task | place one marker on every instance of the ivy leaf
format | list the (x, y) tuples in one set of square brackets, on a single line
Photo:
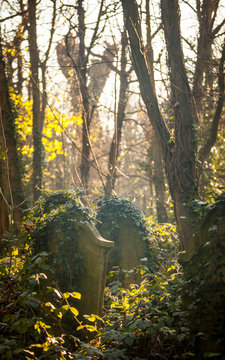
[(74, 311), (90, 318), (66, 295), (75, 295), (50, 305), (87, 327)]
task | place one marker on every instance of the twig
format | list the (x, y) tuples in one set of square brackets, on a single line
[(9, 185)]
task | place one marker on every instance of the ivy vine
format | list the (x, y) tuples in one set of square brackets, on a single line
[(52, 226)]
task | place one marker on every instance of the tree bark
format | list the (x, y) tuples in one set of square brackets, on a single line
[(211, 140), (158, 173), (206, 17), (114, 148), (86, 114), (159, 183), (184, 186), (203, 81), (34, 63), (9, 148), (179, 156)]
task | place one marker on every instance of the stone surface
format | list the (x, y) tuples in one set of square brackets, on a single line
[(91, 283), (130, 245), (204, 291)]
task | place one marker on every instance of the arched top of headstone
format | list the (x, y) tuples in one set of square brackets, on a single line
[(114, 211), (119, 220)]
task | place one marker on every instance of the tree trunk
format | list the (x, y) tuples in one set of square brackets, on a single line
[(184, 186), (208, 106), (19, 67), (206, 14), (8, 146), (114, 149), (34, 59), (158, 174), (179, 156), (81, 70), (159, 182)]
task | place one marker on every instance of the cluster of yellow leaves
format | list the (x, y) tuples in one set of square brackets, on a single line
[(10, 51), (54, 126), (23, 124)]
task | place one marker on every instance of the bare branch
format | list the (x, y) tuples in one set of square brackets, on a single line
[(156, 32), (94, 36), (13, 16), (190, 6), (43, 63), (215, 12), (217, 29)]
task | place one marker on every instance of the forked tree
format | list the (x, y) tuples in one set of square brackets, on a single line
[(179, 152)]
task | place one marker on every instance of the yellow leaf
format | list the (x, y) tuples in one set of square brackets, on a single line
[(76, 295), (66, 295), (91, 318), (87, 327), (74, 311), (15, 252)]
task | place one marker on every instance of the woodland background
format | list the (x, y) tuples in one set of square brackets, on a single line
[(75, 116), (126, 99)]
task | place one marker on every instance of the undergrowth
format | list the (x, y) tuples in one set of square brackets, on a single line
[(145, 321)]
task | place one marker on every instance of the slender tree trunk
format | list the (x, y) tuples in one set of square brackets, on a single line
[(19, 67), (114, 148), (211, 139), (80, 65), (158, 173), (150, 176), (86, 150), (8, 145), (203, 75), (205, 15), (81, 70), (34, 59), (159, 183)]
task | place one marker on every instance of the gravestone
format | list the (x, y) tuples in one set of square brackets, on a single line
[(204, 290), (77, 253), (122, 222)]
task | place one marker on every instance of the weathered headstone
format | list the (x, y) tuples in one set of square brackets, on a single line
[(122, 222), (82, 269), (204, 291), (78, 254)]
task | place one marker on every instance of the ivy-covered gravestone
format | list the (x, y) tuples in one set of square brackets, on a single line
[(204, 291), (120, 221), (77, 253)]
